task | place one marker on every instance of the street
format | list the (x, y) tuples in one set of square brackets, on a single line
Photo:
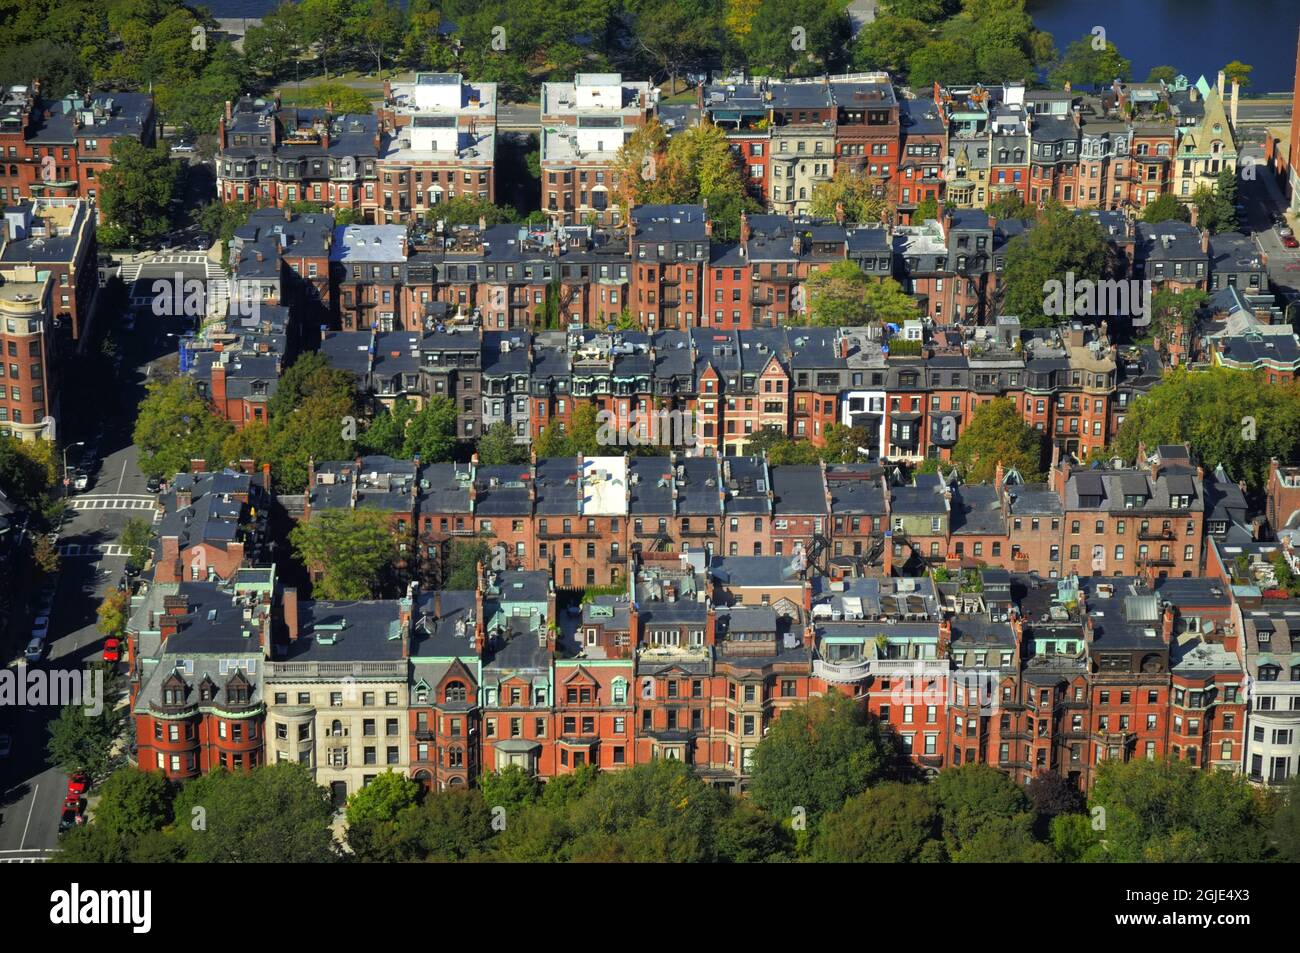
[(32, 792)]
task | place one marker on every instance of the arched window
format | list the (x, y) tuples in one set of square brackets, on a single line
[(456, 692)]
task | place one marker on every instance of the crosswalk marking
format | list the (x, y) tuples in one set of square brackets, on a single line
[(113, 503), (100, 549)]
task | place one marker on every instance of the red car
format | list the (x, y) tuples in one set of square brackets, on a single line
[(111, 650), (1290, 241), (78, 785), (72, 803)]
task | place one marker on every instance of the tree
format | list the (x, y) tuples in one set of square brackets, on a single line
[(650, 813), (770, 45), (355, 551), (276, 43), (133, 805), (942, 61), (450, 825), (431, 433), (1216, 205), (136, 191), (553, 442), (926, 210), (1167, 208), (136, 538), (843, 295), (463, 561), (1005, 840), (860, 197), (1174, 812), (677, 34), (113, 613), (971, 797), (386, 432), (1229, 417), (378, 28), (817, 755), (1286, 823), (928, 11), (1238, 72), (1061, 242), (83, 742), (1173, 313), (840, 443), (497, 447), (1011, 205), (1162, 74), (46, 555), (584, 434), (888, 42), (511, 788), (1083, 65), (275, 813), (891, 823), (176, 425), (373, 811), (998, 434)]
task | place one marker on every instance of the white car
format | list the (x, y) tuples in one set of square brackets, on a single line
[(35, 649), (182, 146)]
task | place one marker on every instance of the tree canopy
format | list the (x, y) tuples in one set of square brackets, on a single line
[(997, 433)]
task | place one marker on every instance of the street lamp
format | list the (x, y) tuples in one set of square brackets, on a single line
[(67, 484)]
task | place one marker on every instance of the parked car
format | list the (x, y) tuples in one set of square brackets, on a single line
[(153, 484), (35, 649), (6, 746), (1290, 241), (70, 819), (182, 145), (112, 650), (80, 480), (41, 627), (78, 784)]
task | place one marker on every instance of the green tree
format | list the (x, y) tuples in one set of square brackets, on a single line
[(1239, 72), (511, 788), (135, 193), (133, 805), (1286, 823), (450, 825), (1228, 417), (355, 551), (973, 796), (276, 813), (942, 61), (462, 563), (338, 98), (373, 813), (113, 613), (1174, 812), (386, 432), (891, 823), (1162, 74), (841, 442), (176, 425), (888, 42), (1167, 208), (1009, 206), (860, 196), (927, 210), (843, 295), (770, 48), (431, 434), (136, 539), (1173, 313), (1060, 242), (817, 755), (1216, 205), (1085, 66), (497, 447), (998, 434), (83, 742)]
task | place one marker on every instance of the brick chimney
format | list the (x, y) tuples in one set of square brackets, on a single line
[(266, 477), (1194, 214), (230, 112), (170, 560), (405, 609), (711, 626), (999, 477), (480, 623), (1205, 241), (1167, 624), (744, 226), (198, 465), (219, 386), (289, 605), (184, 497), (809, 637), (633, 627)]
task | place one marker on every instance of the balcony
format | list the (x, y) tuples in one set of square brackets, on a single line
[(1157, 534), (841, 672)]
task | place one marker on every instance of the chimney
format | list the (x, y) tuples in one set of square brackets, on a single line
[(711, 626), (809, 637), (184, 497), (708, 227), (1205, 240), (1236, 92), (230, 112), (405, 607), (999, 477), (1222, 77), (219, 386), (839, 213), (1054, 482), (247, 465), (289, 606), (170, 561), (1167, 624), (1194, 214), (198, 466), (266, 477), (744, 227)]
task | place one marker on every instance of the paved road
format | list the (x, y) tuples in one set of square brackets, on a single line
[(1263, 200), (519, 116), (31, 792)]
